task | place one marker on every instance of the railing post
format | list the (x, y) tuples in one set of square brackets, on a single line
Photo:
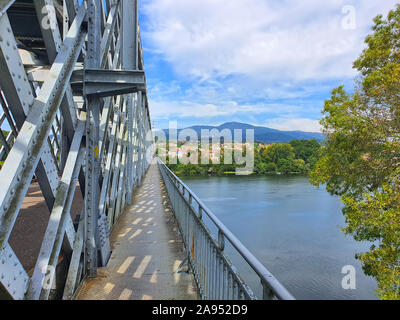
[(216, 275), (221, 240), (267, 292)]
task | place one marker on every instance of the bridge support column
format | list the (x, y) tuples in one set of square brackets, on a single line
[(92, 142), (130, 62)]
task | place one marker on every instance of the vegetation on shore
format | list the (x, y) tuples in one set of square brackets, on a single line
[(295, 158)]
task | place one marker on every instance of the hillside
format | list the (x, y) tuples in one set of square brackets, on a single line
[(261, 134)]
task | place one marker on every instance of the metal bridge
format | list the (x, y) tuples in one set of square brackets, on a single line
[(86, 212)]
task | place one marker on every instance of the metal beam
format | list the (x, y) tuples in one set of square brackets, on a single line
[(92, 143), (55, 231), (130, 59), (107, 83), (4, 5), (46, 138), (28, 147)]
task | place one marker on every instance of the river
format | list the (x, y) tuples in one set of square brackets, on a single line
[(293, 228)]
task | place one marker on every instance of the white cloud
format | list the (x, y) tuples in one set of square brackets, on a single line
[(298, 124), (188, 109), (284, 54), (264, 39)]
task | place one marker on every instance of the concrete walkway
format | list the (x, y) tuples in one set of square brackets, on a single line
[(147, 251)]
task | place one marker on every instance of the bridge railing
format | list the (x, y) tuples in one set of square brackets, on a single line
[(215, 276)]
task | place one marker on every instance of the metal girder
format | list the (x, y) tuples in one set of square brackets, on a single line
[(130, 60), (28, 147), (107, 83), (4, 5), (55, 231), (13, 277), (92, 143), (73, 271), (15, 85), (105, 148), (108, 32), (53, 41)]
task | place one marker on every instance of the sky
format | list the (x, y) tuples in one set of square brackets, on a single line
[(264, 62)]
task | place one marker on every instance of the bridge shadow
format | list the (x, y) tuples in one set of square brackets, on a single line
[(147, 252), (30, 226)]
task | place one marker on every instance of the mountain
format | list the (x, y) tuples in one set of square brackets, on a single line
[(261, 134)]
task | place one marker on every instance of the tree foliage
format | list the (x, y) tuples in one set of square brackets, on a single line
[(361, 156), (294, 158)]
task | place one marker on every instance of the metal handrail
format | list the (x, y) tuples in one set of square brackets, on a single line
[(271, 286)]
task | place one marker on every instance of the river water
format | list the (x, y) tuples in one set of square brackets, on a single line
[(293, 228)]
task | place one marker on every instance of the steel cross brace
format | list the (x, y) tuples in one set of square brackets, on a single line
[(106, 83)]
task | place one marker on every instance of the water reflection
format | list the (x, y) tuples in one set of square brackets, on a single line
[(290, 226)]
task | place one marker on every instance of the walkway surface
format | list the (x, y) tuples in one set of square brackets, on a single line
[(147, 251)]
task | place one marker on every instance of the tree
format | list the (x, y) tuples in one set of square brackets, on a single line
[(361, 156), (278, 151), (306, 150), (265, 168)]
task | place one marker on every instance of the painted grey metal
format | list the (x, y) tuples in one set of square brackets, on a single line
[(130, 55), (61, 213), (4, 5), (73, 275), (215, 275), (23, 158), (61, 136), (107, 83)]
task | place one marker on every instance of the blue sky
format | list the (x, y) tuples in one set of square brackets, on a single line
[(264, 62)]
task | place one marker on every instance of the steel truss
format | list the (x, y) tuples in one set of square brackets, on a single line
[(74, 101)]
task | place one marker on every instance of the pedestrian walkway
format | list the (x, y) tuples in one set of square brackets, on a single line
[(147, 251)]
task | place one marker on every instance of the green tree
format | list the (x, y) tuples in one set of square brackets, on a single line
[(265, 168), (306, 150), (278, 151), (360, 159)]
